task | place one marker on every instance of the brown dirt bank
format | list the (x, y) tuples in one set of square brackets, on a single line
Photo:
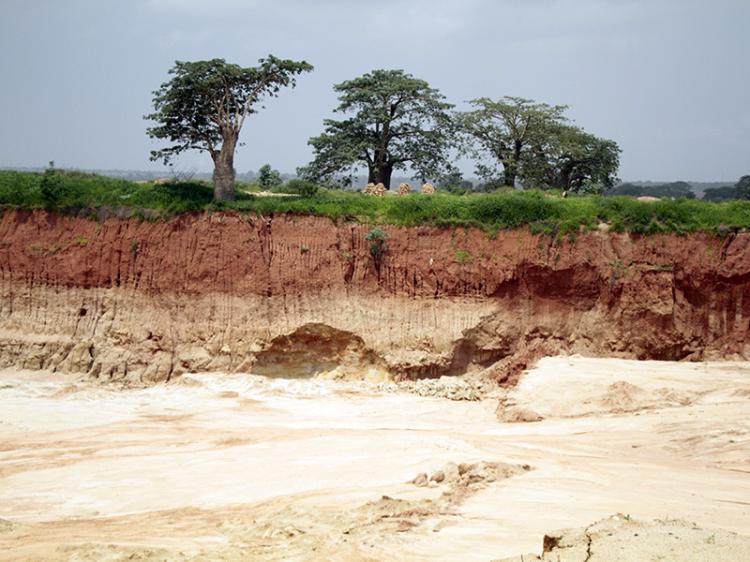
[(226, 291)]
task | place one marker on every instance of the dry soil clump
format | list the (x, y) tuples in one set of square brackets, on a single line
[(622, 539)]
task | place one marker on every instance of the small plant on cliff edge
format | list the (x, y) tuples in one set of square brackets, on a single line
[(377, 237), (463, 257)]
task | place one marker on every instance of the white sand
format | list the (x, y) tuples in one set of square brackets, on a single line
[(202, 468)]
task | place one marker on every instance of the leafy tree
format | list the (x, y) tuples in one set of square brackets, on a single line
[(395, 122), (628, 189), (569, 158), (743, 188), (494, 184), (453, 178), (204, 106), (740, 190), (462, 188), (504, 130), (534, 143), (673, 190), (724, 193), (268, 177), (302, 187), (676, 189)]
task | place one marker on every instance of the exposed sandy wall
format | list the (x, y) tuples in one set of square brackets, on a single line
[(146, 301)]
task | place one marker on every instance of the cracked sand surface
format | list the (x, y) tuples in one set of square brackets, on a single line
[(233, 467)]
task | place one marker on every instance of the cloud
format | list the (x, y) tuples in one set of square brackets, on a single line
[(202, 7), (632, 70)]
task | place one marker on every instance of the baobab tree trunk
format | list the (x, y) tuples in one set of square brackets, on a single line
[(511, 167), (509, 175), (386, 170), (224, 172), (380, 174), (380, 168)]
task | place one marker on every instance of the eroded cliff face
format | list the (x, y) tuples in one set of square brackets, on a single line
[(300, 295)]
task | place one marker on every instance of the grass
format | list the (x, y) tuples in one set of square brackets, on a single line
[(490, 211), (463, 257)]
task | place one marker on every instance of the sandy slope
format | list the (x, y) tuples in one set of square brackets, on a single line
[(238, 467)]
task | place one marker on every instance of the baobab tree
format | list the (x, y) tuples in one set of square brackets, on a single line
[(205, 104)]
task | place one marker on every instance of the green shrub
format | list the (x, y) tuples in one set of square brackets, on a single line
[(463, 257), (268, 177), (52, 189), (542, 213), (377, 237), (300, 187), (457, 189)]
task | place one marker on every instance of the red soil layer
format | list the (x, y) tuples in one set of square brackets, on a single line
[(662, 297)]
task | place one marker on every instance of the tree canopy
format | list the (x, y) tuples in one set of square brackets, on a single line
[(205, 104), (571, 159), (740, 190), (395, 122), (534, 143), (673, 190), (268, 177), (743, 187)]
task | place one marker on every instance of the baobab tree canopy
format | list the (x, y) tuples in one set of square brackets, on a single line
[(205, 104), (394, 122), (536, 144)]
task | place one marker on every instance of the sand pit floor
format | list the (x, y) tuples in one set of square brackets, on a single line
[(238, 467)]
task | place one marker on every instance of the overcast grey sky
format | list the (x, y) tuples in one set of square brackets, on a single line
[(669, 80)]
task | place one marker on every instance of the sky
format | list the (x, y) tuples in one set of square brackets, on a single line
[(669, 80)]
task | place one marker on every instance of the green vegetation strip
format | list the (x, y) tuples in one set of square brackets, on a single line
[(544, 212)]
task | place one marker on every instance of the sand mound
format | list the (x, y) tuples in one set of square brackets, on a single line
[(66, 391), (187, 380), (622, 397), (452, 388), (564, 387), (517, 415), (114, 553), (304, 532), (299, 530), (621, 539), (465, 475)]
